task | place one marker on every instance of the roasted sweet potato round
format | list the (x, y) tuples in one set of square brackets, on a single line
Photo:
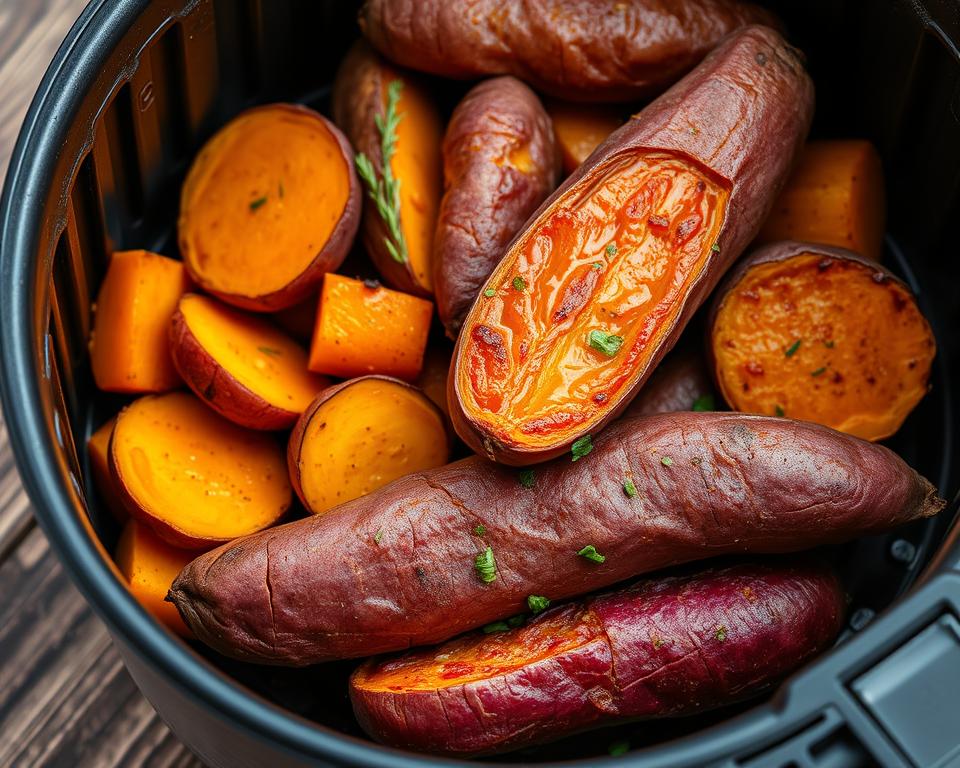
[(242, 366), (580, 129), (361, 435), (271, 203), (195, 478), (820, 334)]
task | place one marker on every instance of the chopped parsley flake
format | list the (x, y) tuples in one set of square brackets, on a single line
[(269, 351), (495, 626), (517, 621), (704, 403), (605, 342), (519, 283), (715, 248), (489, 293), (721, 633), (629, 488), (819, 371), (258, 203), (666, 461), (778, 411), (611, 249), (581, 447), (597, 265), (378, 536), (792, 349), (590, 553), (526, 478), (486, 566), (480, 529), (537, 604)]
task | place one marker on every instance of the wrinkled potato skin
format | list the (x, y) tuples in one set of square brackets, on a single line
[(500, 161), (577, 50)]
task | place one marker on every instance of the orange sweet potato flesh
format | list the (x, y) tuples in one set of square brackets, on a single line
[(360, 435), (128, 349), (98, 449), (240, 365), (364, 328), (271, 203), (192, 476), (821, 334), (359, 100), (580, 129), (625, 251), (834, 197)]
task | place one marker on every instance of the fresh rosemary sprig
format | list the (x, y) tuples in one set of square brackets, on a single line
[(385, 191)]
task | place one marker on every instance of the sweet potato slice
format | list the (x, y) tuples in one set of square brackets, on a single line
[(241, 366), (271, 203), (149, 564), (453, 548), (820, 334), (360, 435), (365, 328), (680, 383), (381, 108), (580, 129), (597, 288), (128, 349), (835, 196), (195, 478), (499, 163), (579, 50), (98, 448), (666, 647)]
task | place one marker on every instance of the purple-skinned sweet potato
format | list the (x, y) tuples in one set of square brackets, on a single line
[(500, 161), (599, 284), (572, 49), (439, 552), (664, 647), (680, 383)]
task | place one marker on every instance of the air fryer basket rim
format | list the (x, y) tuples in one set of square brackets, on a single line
[(27, 190)]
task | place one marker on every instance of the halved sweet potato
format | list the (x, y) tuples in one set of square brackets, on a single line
[(579, 50), (835, 196), (597, 288), (680, 383), (195, 478), (129, 351), (453, 548), (360, 435), (499, 163), (580, 129), (364, 328), (271, 203), (820, 334), (381, 108), (666, 647), (98, 449), (241, 366)]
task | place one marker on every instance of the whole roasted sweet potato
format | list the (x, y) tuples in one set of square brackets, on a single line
[(500, 162), (665, 647), (680, 383), (573, 49), (449, 549), (599, 284)]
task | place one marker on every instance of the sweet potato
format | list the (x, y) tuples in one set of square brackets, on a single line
[(360, 435), (98, 448), (365, 328), (298, 320), (665, 647), (271, 203), (192, 476), (388, 112), (449, 549), (834, 197), (680, 383), (580, 129), (499, 163), (241, 366), (572, 49), (600, 283), (820, 334), (128, 349), (433, 376)]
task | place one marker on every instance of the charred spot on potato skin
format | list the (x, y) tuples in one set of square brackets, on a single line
[(490, 339)]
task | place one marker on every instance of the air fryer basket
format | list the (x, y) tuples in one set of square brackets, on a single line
[(134, 91)]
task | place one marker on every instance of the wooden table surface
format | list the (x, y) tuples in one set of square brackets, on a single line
[(65, 697)]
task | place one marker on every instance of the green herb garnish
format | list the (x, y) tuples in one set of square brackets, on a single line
[(480, 529), (778, 411), (629, 488), (721, 633), (489, 293), (280, 189), (704, 403), (619, 748), (666, 461), (605, 342), (819, 371), (581, 447), (792, 349), (496, 626), (385, 191), (715, 248), (517, 621), (597, 265), (590, 553), (258, 203), (486, 566), (526, 478), (519, 283), (378, 536), (537, 604), (269, 351), (611, 249)]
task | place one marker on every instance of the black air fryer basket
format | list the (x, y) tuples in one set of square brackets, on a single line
[(135, 90)]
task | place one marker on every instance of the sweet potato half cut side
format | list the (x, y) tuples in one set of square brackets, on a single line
[(195, 478), (241, 366), (361, 435), (271, 203), (599, 285), (667, 647), (580, 129), (821, 334)]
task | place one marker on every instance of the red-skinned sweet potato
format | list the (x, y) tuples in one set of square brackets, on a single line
[(599, 284), (500, 162), (664, 647), (680, 383), (573, 49), (446, 550)]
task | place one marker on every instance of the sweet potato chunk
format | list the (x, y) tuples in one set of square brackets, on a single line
[(98, 449), (365, 328), (821, 334), (361, 435), (241, 366), (453, 548), (195, 478), (834, 197), (666, 647), (599, 285), (128, 349), (580, 129), (271, 203)]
